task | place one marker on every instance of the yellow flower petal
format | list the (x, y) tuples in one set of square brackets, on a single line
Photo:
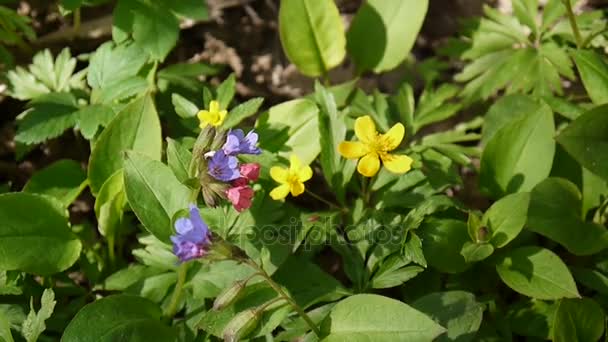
[(397, 163), (294, 163), (214, 106), (352, 149), (304, 173), (365, 129), (280, 192), (297, 188), (279, 174), (369, 165), (393, 137), (222, 116)]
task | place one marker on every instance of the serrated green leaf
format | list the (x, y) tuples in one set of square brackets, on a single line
[(113, 63), (154, 30), (91, 118)]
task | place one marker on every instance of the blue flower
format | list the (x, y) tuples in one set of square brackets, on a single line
[(193, 237), (224, 167), (239, 143)]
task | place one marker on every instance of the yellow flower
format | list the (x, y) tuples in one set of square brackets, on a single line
[(374, 147), (290, 180), (214, 116)]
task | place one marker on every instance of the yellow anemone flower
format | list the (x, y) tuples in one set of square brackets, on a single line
[(290, 180), (214, 116), (374, 147)]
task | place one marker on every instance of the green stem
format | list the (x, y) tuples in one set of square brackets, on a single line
[(277, 288), (111, 248), (592, 36), (329, 203), (77, 21), (182, 271), (573, 24)]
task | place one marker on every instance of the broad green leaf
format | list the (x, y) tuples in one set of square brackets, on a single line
[(193, 9), (34, 325), (136, 128), (109, 205), (578, 320), (532, 318), (536, 272), (155, 30), (555, 212), (92, 118), (184, 108), (178, 159), (111, 64), (291, 128), (476, 251), (384, 31), (442, 241), (586, 139), (34, 235), (118, 318), (154, 193), (65, 179), (594, 73), (593, 188), (312, 35), (519, 155), (242, 112), (591, 278), (457, 311), (49, 116), (370, 317), (508, 109), (120, 90), (506, 218)]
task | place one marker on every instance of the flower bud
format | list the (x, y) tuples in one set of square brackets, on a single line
[(241, 325), (251, 171), (229, 295)]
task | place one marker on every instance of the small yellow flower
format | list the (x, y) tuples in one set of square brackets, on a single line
[(214, 116), (290, 180), (374, 147)]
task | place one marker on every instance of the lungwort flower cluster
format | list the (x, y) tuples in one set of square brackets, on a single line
[(223, 165), (193, 238), (374, 147)]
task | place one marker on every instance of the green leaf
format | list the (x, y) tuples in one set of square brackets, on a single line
[(120, 90), (586, 139), (384, 31), (578, 320), (109, 205), (34, 325), (35, 236), (592, 279), (50, 115), (178, 159), (136, 128), (155, 30), (184, 108), (442, 241), (5, 328), (532, 318), (312, 35), (506, 110), (594, 73), (432, 106), (506, 218), (193, 9), (369, 317), (555, 212), (64, 180), (474, 252), (519, 155), (291, 128), (536, 272), (111, 64), (226, 91), (154, 194), (457, 311), (91, 118), (242, 112), (118, 318)]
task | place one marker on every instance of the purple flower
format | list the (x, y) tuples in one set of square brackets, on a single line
[(239, 143), (224, 167), (192, 237)]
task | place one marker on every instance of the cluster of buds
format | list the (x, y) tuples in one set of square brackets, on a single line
[(221, 175)]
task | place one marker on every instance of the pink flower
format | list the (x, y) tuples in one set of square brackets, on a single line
[(251, 171), (240, 197)]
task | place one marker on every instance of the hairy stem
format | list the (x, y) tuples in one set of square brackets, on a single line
[(279, 290), (573, 24), (177, 292)]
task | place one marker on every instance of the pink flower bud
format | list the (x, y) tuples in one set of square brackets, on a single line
[(240, 197), (251, 171)]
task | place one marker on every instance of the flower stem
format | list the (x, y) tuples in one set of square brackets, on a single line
[(277, 288), (177, 293), (77, 20), (573, 24), (329, 203)]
